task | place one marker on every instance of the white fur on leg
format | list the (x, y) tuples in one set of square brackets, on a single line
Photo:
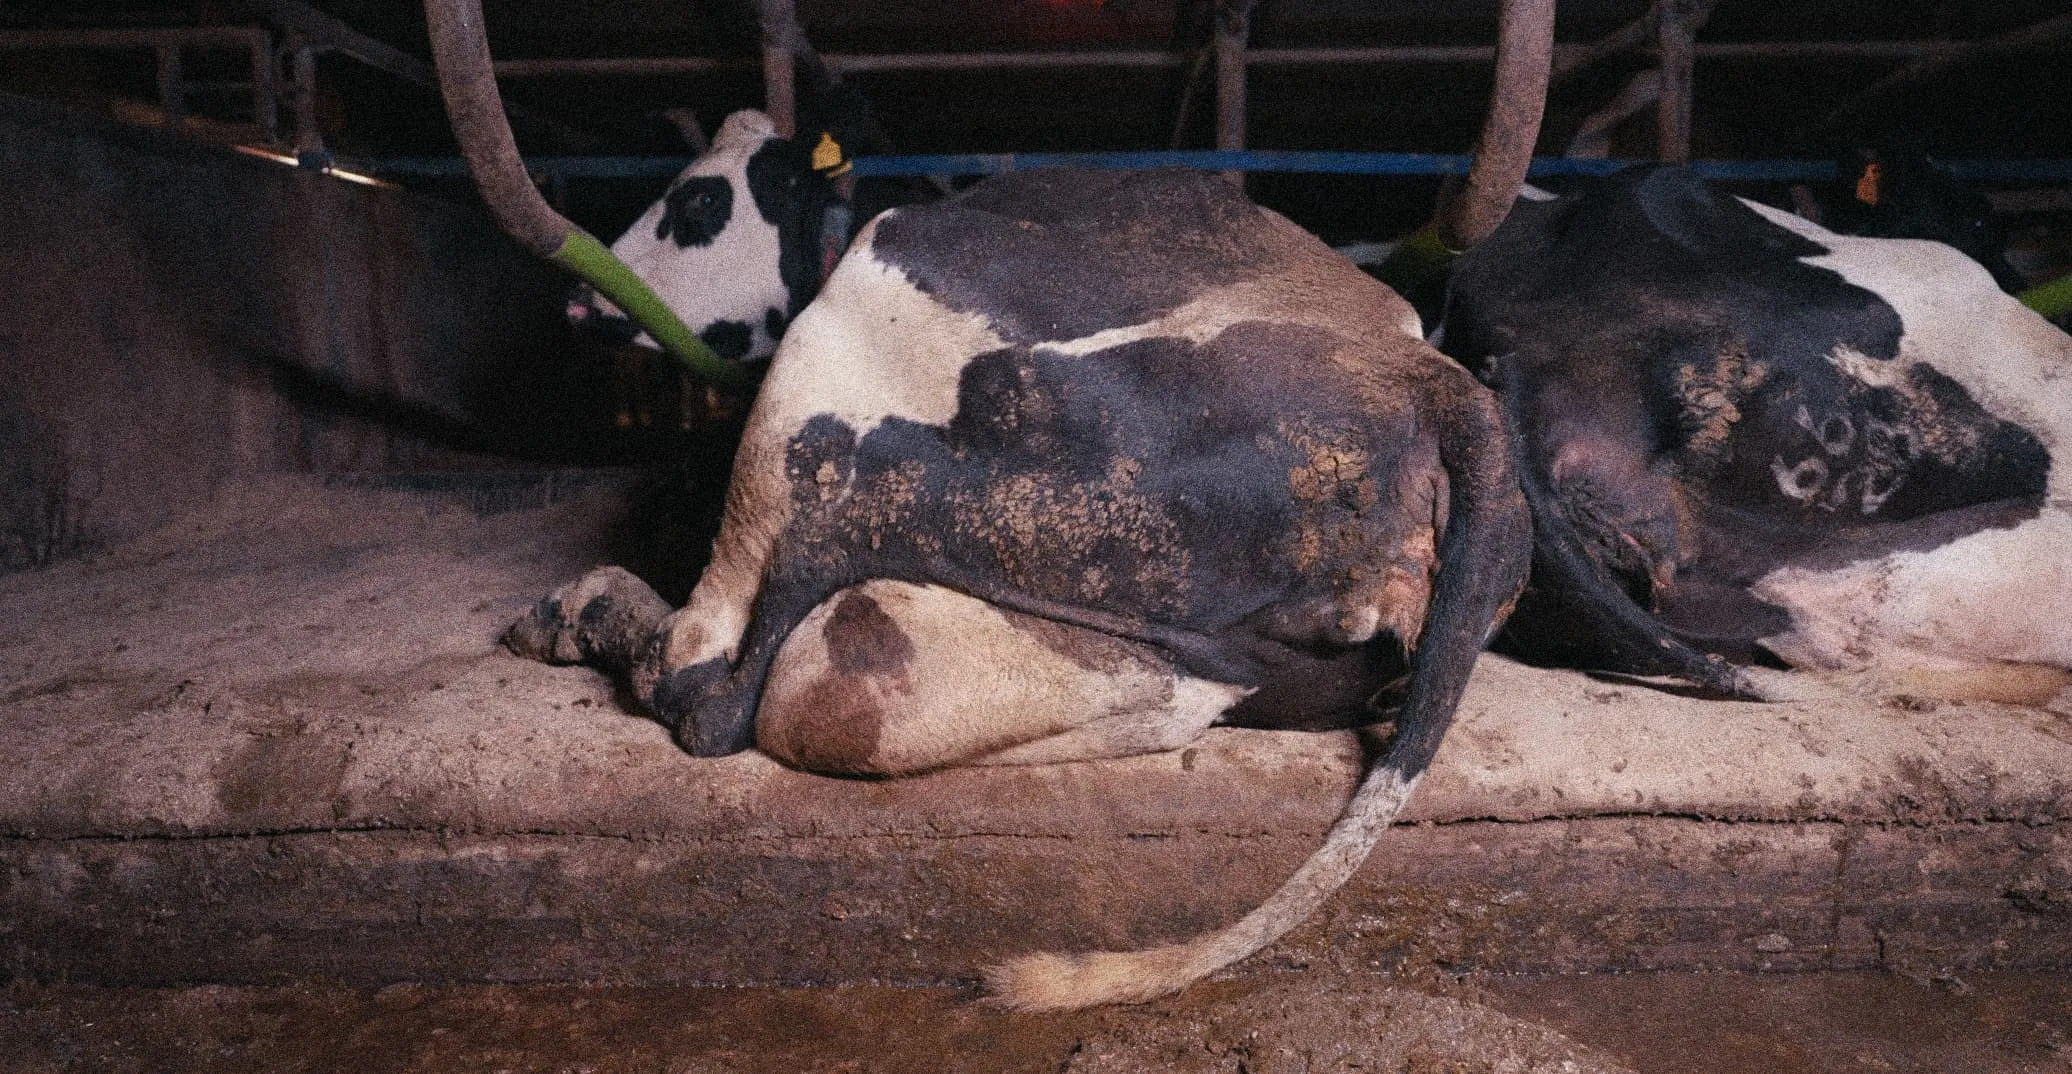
[(1053, 982), (1194, 705)]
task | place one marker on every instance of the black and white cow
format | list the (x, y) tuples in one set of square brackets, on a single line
[(1746, 436), (1073, 465), (735, 246)]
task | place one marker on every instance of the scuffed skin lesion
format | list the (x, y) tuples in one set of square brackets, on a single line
[(1381, 573), (1710, 393)]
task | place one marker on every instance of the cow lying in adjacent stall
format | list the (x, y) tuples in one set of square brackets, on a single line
[(1744, 436), (1074, 465)]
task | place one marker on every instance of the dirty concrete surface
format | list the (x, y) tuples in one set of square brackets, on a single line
[(1821, 1023), (259, 765)]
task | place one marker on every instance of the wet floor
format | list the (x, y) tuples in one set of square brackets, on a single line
[(1830, 1023), (1676, 1023)]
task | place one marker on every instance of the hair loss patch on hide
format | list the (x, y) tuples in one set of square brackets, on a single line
[(1932, 425), (1709, 396)]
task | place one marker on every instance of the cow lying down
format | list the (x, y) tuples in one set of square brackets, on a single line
[(1747, 437), (1074, 465)]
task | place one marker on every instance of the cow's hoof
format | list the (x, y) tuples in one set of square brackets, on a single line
[(710, 718), (592, 619)]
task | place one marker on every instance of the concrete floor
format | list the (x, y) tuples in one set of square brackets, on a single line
[(1816, 1023), (276, 746)]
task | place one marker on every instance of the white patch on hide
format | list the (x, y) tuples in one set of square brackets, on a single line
[(1997, 595), (977, 686), (735, 277), (871, 347), (1359, 625), (1194, 705), (1216, 311), (2006, 356)]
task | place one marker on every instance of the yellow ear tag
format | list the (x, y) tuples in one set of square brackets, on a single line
[(1867, 183), (827, 156)]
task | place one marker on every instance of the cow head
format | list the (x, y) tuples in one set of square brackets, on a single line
[(734, 245)]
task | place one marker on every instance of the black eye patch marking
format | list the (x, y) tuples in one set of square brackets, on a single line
[(728, 339), (696, 210)]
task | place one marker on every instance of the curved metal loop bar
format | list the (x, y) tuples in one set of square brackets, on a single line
[(460, 51), (1524, 54)]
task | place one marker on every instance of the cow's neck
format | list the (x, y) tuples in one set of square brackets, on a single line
[(836, 228)]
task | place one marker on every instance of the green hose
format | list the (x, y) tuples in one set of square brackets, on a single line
[(467, 82), (2053, 299), (583, 255)]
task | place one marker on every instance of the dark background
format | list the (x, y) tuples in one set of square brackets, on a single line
[(2006, 104), (182, 317)]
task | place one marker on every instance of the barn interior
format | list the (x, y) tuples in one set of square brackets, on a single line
[(290, 432)]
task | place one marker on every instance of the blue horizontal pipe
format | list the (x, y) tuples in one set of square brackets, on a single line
[(1314, 163), (1318, 163)]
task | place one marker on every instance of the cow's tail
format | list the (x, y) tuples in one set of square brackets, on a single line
[(1634, 639), (1483, 557)]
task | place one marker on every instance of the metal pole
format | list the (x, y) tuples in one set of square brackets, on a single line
[(1524, 51), (1624, 39), (1673, 108), (172, 88), (779, 20), (265, 94), (1574, 57), (309, 141), (2031, 36), (1232, 27), (461, 50), (299, 20), (1594, 138)]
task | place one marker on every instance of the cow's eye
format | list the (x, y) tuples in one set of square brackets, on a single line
[(706, 201)]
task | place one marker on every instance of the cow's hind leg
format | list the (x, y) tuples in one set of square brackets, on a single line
[(604, 619), (891, 678)]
